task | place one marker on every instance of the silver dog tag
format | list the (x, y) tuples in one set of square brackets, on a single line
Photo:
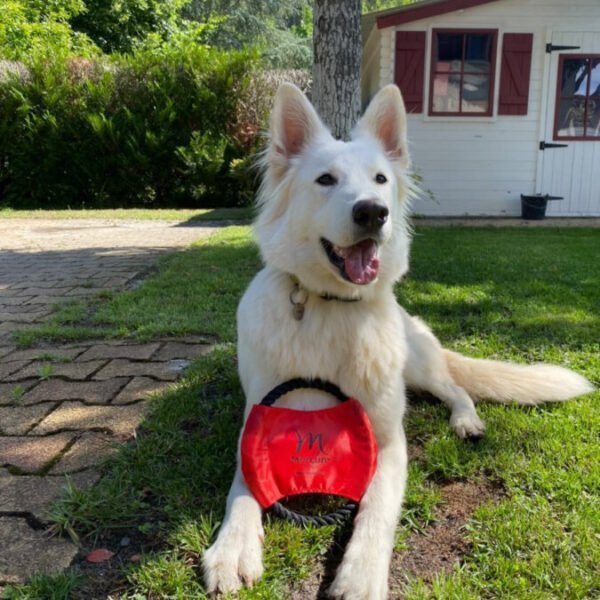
[(298, 311), (298, 298)]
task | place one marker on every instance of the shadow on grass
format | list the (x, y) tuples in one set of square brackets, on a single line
[(219, 216), (195, 291)]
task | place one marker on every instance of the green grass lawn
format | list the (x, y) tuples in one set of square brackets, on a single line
[(523, 295), (142, 214)]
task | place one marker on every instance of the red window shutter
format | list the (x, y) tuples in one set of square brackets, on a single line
[(515, 73), (409, 69)]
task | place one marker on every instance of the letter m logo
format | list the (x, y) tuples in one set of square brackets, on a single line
[(311, 440)]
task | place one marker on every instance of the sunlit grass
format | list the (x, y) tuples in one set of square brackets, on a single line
[(141, 214)]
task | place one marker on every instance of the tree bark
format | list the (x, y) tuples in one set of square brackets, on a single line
[(336, 68)]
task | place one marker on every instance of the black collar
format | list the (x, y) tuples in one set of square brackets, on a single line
[(299, 296), (328, 297)]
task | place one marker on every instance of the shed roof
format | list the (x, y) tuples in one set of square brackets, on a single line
[(413, 12)]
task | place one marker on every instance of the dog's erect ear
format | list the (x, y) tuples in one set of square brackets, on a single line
[(385, 119), (294, 123)]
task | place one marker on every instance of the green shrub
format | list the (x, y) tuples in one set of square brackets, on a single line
[(116, 25), (40, 28), (153, 128)]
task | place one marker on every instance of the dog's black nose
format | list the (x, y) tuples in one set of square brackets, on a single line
[(370, 215)]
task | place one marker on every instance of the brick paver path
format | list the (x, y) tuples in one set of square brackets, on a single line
[(64, 407)]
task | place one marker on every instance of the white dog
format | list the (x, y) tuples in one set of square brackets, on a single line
[(333, 233)]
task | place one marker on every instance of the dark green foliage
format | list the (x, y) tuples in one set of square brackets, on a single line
[(372, 5), (282, 29), (116, 25), (154, 128)]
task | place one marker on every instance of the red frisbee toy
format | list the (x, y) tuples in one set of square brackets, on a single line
[(287, 452)]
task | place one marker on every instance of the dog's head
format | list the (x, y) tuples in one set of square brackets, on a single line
[(333, 213)]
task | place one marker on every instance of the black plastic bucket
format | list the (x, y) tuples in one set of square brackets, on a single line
[(533, 208)]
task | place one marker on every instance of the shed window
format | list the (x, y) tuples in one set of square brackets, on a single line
[(578, 98), (462, 72)]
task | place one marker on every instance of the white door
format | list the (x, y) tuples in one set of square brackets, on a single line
[(570, 162)]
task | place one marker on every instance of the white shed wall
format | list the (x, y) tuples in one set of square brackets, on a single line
[(480, 166), (371, 73)]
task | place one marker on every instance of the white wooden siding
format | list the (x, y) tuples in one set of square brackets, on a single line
[(371, 67), (481, 166)]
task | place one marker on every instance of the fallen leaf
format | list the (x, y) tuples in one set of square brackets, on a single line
[(99, 555)]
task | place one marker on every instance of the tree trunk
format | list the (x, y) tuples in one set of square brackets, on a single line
[(336, 68)]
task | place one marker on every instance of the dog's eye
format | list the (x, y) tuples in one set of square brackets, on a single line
[(326, 179), (380, 178)]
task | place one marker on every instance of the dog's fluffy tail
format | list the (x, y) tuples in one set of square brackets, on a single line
[(504, 381)]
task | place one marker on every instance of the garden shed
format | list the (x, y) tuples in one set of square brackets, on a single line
[(503, 99)]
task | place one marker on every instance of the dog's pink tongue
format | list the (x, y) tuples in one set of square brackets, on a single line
[(361, 262)]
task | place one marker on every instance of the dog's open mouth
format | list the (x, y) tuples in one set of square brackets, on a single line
[(358, 264)]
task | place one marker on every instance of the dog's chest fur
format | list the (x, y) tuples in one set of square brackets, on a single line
[(358, 345)]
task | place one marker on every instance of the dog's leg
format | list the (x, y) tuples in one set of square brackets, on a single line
[(363, 573), (236, 555), (464, 419), (426, 369)]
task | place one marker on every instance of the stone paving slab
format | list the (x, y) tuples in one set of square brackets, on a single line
[(18, 420), (92, 392), (90, 450), (130, 351), (50, 292), (35, 495), (77, 416), (47, 300), (6, 300), (162, 371), (75, 370), (175, 350), (25, 551), (56, 353), (15, 317), (12, 393), (8, 368), (32, 454), (139, 388), (21, 308)]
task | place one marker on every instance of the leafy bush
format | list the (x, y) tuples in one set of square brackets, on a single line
[(254, 104), (154, 128), (115, 25), (35, 29)]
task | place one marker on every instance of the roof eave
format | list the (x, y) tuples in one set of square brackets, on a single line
[(424, 10)]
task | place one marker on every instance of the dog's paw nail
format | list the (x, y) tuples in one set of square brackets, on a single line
[(468, 427), (231, 563)]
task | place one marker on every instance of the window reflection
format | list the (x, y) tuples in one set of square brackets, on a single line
[(578, 107), (575, 77), (476, 90), (461, 73), (595, 78)]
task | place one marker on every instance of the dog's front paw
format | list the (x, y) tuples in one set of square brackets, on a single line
[(231, 561), (467, 424), (360, 578)]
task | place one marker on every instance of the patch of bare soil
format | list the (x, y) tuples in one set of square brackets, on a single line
[(107, 579), (443, 544)]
